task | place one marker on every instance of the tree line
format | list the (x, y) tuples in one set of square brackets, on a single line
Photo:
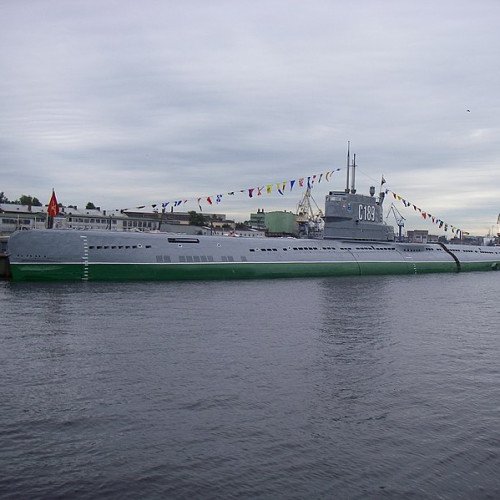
[(26, 199)]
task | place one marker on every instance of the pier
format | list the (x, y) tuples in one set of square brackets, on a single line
[(4, 259)]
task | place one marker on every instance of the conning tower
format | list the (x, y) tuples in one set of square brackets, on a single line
[(351, 216)]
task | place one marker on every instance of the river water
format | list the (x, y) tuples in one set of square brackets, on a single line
[(361, 387)]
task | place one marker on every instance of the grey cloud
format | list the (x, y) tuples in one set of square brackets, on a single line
[(130, 102)]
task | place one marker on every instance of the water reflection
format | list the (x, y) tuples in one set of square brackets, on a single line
[(353, 356)]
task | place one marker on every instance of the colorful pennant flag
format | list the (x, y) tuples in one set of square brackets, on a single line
[(280, 187), (427, 215)]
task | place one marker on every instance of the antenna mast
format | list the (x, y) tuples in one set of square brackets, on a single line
[(353, 188), (348, 165)]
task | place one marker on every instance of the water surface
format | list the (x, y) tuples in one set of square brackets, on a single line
[(340, 387)]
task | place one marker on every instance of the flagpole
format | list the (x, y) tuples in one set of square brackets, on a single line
[(52, 210)]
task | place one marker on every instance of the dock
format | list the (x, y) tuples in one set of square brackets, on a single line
[(4, 259)]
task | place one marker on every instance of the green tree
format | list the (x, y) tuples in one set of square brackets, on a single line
[(90, 206), (196, 219), (29, 200), (3, 198)]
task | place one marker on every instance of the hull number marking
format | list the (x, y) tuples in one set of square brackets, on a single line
[(366, 212)]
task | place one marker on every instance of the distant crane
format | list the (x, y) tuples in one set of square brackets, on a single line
[(305, 209), (310, 221), (400, 220)]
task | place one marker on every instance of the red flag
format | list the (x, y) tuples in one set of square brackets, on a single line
[(53, 208)]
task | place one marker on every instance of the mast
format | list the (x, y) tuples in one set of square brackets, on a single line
[(348, 165), (353, 181)]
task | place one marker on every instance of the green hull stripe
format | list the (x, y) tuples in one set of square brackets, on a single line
[(233, 270)]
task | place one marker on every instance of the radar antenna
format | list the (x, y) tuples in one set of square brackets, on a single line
[(400, 220)]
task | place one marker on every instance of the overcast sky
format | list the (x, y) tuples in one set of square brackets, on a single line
[(125, 103)]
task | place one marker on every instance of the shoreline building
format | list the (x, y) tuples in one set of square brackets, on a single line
[(22, 217), (18, 217), (276, 223)]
